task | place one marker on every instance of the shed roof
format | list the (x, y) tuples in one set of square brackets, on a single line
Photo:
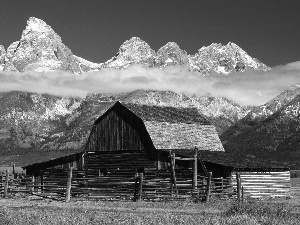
[(235, 161)]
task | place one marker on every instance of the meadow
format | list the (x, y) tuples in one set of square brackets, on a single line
[(28, 210)]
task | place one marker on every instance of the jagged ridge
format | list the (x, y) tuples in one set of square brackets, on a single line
[(41, 49)]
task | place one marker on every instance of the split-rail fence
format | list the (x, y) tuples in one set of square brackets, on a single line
[(122, 185)]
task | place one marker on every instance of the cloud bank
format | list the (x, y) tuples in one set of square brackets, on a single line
[(248, 88)]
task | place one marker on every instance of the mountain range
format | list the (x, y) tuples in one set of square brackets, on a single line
[(40, 49), (46, 123)]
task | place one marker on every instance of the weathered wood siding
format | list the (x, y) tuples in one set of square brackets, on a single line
[(125, 163), (264, 184), (119, 130)]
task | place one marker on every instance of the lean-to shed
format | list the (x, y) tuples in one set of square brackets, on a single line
[(259, 178)]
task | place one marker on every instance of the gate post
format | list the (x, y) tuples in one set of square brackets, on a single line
[(195, 173), (208, 186), (238, 186), (6, 184), (69, 182), (141, 178)]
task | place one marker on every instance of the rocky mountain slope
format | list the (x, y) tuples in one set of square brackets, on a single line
[(34, 122), (2, 57), (43, 123), (171, 54), (27, 119), (215, 58), (224, 60), (260, 113), (132, 52), (275, 137), (40, 49), (220, 111)]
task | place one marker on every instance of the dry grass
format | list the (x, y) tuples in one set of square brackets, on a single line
[(18, 211), (30, 211), (34, 212)]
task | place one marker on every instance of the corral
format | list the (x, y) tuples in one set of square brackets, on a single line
[(259, 178)]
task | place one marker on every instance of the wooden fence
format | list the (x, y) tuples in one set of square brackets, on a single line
[(264, 184), (154, 185), (12, 184), (160, 186), (121, 185)]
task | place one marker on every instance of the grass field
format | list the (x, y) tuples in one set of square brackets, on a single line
[(273, 211)]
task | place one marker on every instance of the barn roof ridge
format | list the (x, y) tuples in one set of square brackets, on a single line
[(169, 114)]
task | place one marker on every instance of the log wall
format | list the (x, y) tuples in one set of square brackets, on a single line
[(118, 162), (264, 184)]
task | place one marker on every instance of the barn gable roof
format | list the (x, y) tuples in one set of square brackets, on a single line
[(174, 128), (167, 114)]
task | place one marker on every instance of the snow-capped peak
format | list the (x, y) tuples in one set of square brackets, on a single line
[(2, 57), (223, 59), (133, 51), (36, 25), (41, 49), (171, 54)]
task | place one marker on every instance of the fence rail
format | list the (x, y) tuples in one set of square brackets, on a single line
[(155, 186)]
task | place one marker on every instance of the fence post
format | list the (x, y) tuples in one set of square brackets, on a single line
[(42, 181), (6, 184), (195, 173), (1, 185), (208, 186), (14, 170), (159, 166), (33, 183), (141, 178), (242, 193), (172, 177), (174, 174), (222, 184), (69, 182), (238, 186), (135, 187)]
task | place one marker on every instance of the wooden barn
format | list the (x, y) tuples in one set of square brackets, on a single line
[(130, 138), (145, 132)]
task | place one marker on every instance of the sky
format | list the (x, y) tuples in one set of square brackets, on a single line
[(95, 29)]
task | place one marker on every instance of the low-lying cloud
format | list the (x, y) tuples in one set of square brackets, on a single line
[(248, 88)]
